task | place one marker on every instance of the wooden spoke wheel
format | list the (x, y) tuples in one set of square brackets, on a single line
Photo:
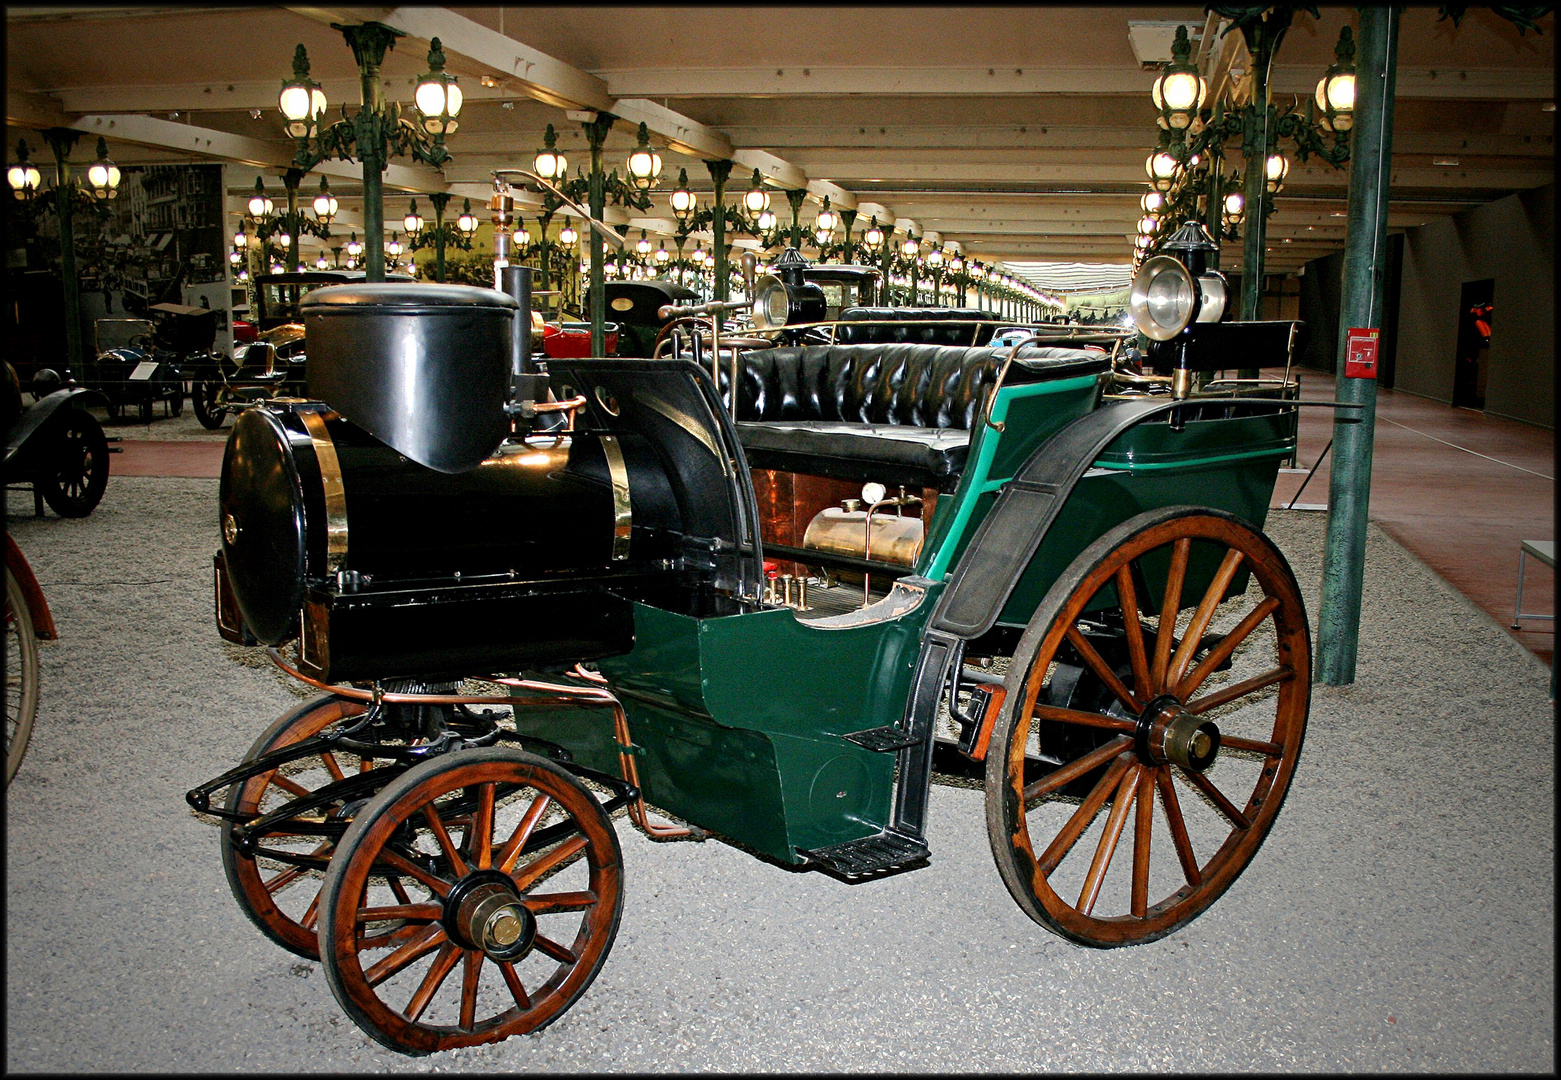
[(282, 896), (75, 473), (512, 875), (1194, 747), (21, 675)]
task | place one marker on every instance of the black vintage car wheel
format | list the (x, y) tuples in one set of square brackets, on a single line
[(146, 411), (203, 397), (514, 885), (175, 400), (73, 466), (1193, 751)]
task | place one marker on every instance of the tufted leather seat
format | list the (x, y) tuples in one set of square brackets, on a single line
[(896, 413), (928, 326)]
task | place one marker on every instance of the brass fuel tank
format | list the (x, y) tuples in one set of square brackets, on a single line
[(839, 531)]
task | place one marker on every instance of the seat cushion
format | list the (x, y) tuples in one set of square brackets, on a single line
[(888, 453)]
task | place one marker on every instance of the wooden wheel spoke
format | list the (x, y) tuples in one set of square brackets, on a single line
[(1088, 719), (557, 857), (1267, 749), (1228, 645), (516, 988), (1226, 807), (553, 903), (1135, 631), (1063, 843), (1057, 778), (511, 850), (430, 938), (1201, 617), (549, 947), (311, 913), (412, 870), (469, 979), (1107, 848), (293, 873), (331, 766), (1165, 632), (398, 889), (441, 834), (1241, 689), (480, 832), (416, 912), (1179, 837), (292, 787), (1102, 669), (438, 971), (1142, 824)]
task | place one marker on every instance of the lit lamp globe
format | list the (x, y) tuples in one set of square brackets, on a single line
[(413, 222), (956, 264), (935, 257), (394, 247), (320, 263), (259, 205), (682, 199), (1275, 171), (643, 247), (756, 200), (467, 222), (1179, 93), (24, 176), (521, 235), (873, 237), (325, 204), (235, 258), (1152, 202), (285, 240), (549, 164), (1336, 89), (438, 95), (301, 101), (662, 254), (766, 222), (827, 220), (354, 248), (909, 248), (240, 240), (1148, 224), (567, 235), (1161, 167), (1235, 207), (644, 164)]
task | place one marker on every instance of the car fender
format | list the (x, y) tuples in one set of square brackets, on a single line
[(38, 415), (37, 607)]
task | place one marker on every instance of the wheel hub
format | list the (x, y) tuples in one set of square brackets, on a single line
[(484, 912), (1169, 733)]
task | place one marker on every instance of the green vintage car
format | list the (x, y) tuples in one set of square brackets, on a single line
[(665, 608)]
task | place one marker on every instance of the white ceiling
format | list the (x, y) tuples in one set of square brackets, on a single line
[(1019, 133)]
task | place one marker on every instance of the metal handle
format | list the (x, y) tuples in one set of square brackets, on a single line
[(986, 413)]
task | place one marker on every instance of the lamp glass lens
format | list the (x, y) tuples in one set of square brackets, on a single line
[(1341, 92), (97, 176), (453, 97), (317, 102), (640, 164), (430, 97), (294, 102), (1169, 299)]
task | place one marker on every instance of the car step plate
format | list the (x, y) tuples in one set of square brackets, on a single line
[(888, 850), (882, 739)]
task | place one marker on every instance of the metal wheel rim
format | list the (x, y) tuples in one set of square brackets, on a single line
[(21, 676)]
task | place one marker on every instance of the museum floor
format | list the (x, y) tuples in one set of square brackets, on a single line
[(1400, 917)]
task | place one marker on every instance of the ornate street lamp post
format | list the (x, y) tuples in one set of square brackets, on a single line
[(378, 131)]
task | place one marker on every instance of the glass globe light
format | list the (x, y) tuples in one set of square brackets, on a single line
[(393, 248), (467, 222), (301, 100), (1152, 201), (413, 222), (682, 199), (549, 164), (1161, 167), (1148, 224), (644, 164), (325, 204), (873, 237), (1235, 206), (662, 254), (910, 247), (235, 258), (438, 95), (521, 235), (354, 248), (23, 177), (643, 247), (935, 257), (1336, 89), (259, 205), (243, 275), (240, 240), (828, 220), (285, 240), (766, 222), (756, 200), (567, 235), (1275, 170), (321, 263)]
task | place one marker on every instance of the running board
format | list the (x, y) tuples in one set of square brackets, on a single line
[(882, 739), (884, 852)]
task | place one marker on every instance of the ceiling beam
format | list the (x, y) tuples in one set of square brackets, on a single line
[(782, 173), (682, 134)]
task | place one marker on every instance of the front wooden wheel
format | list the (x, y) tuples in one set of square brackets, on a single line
[(1195, 746), (513, 879)]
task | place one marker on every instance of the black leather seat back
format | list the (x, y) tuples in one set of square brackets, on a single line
[(926, 326), (914, 385)]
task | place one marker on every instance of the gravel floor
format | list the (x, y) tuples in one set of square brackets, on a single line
[(1399, 918)]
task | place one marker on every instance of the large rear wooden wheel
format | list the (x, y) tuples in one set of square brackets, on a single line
[(278, 885), (513, 882), (21, 675), (1194, 748)]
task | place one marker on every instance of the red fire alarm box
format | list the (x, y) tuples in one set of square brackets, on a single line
[(1360, 352)]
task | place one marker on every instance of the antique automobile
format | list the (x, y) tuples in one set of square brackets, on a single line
[(531, 598), (56, 447), (139, 362), (269, 361), (27, 622), (635, 307)]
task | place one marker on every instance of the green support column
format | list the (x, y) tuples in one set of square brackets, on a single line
[(1263, 36), (369, 42), (719, 171), (290, 180), (888, 258), (596, 305), (1349, 485), (847, 220), (1214, 205), (915, 297), (61, 141), (440, 199)]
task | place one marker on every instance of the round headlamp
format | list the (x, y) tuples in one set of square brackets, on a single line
[(1163, 299), (776, 303)]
